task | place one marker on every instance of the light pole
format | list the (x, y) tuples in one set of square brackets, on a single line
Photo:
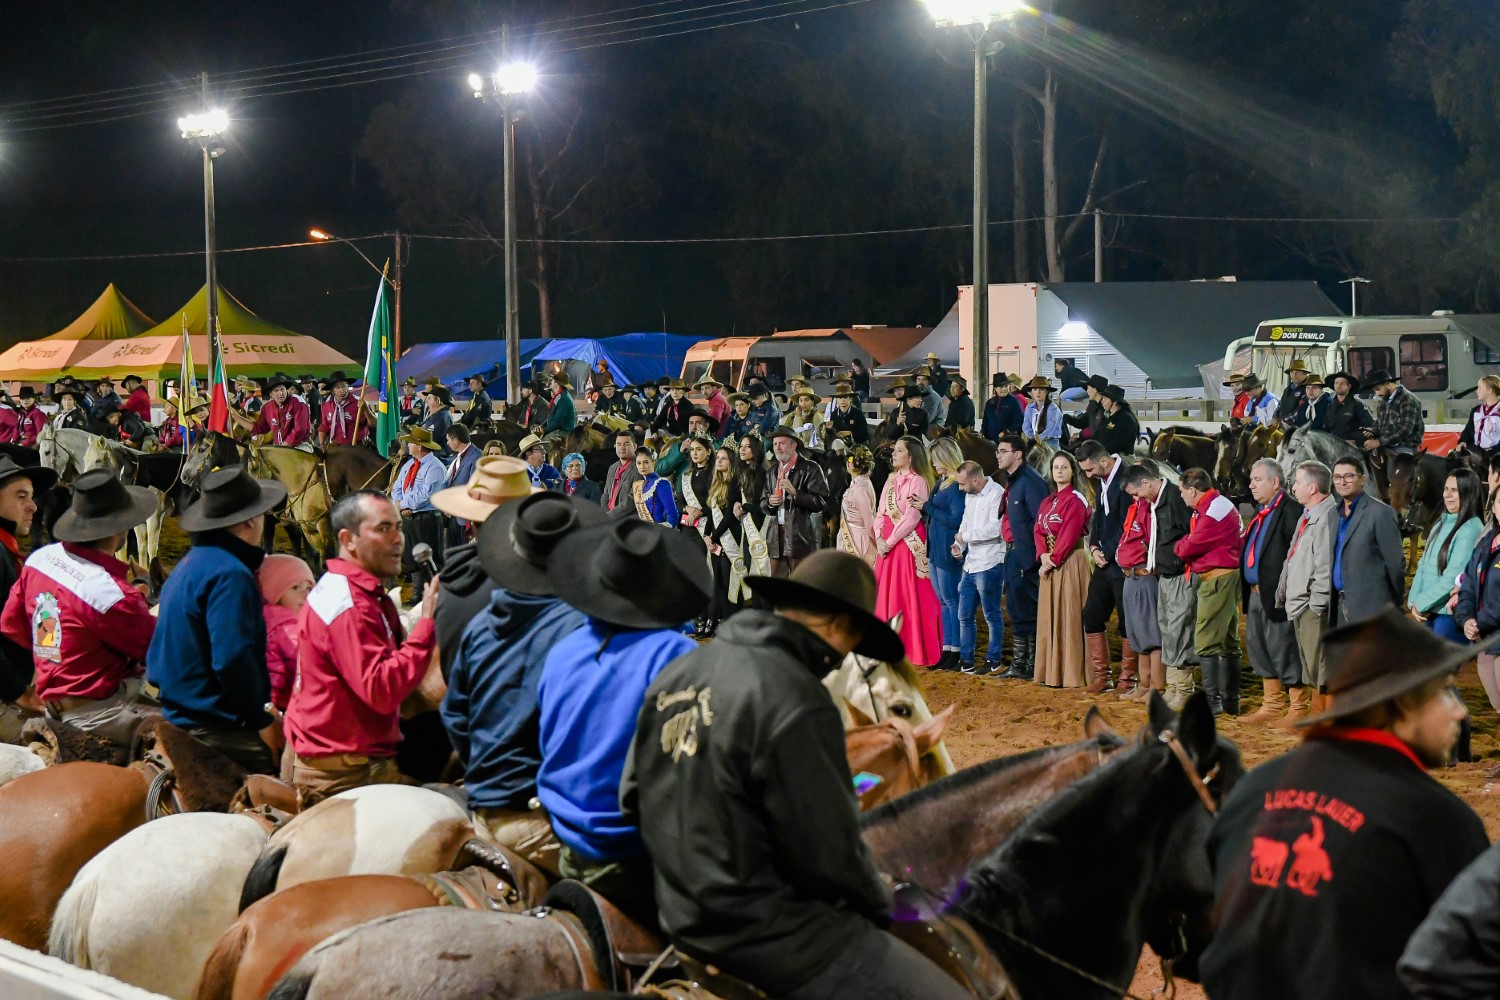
[(206, 128), (323, 235), (507, 86), (1354, 284), (978, 16)]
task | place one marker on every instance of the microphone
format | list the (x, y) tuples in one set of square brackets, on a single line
[(421, 553)]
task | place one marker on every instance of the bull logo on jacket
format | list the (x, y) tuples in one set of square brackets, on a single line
[(46, 628)]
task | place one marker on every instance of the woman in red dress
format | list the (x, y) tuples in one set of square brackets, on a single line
[(1061, 522), (903, 585)]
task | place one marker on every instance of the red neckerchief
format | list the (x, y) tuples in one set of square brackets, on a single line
[(411, 475), (1255, 525), (9, 541), (614, 492), (1301, 527), (1379, 737)]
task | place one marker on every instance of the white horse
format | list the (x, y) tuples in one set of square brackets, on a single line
[(102, 453), (62, 449), (16, 761), (149, 907)]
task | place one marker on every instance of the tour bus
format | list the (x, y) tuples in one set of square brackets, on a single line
[(1437, 357)]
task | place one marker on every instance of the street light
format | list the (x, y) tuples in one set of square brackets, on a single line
[(206, 128), (324, 236), (511, 82), (977, 16), (1354, 284)]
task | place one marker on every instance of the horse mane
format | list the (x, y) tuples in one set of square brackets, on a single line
[(958, 781), (1182, 429)]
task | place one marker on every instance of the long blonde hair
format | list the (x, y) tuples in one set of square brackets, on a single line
[(946, 453), (718, 488), (920, 464)]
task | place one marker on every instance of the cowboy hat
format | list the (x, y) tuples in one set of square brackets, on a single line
[(528, 442), (1353, 382), (497, 480), (842, 393), (757, 390), (708, 380), (1040, 382), (307, 377), (738, 397), (1234, 379), (1382, 657), (59, 391), (441, 392), (784, 432), (1249, 382), (421, 436), (335, 377), (829, 580), (410, 380), (278, 380), (999, 380), (103, 506), (1297, 365), (958, 380), (475, 377), (673, 383), (27, 392), (1113, 393), (932, 356), (515, 544), (1313, 378), (699, 411), (599, 570), (133, 378), (798, 378), (900, 383), (42, 479), (627, 387), (1096, 382), (807, 393), (230, 496), (561, 378), (1378, 377)]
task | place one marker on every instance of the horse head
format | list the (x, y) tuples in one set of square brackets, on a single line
[(886, 757), (1161, 445), (97, 455), (46, 446)]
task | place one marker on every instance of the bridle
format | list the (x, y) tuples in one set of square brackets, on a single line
[(1198, 783)]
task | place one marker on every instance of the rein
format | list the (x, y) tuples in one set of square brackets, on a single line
[(1200, 784)]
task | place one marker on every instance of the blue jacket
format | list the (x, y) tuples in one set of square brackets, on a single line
[(490, 710), (1479, 597), (1023, 498), (461, 469), (592, 689), (1001, 416), (209, 655), (765, 417), (945, 512), (657, 493)]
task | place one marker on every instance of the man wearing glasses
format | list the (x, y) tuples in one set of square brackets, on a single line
[(1369, 563)]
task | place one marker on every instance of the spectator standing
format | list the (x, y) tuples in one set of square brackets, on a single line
[(932, 402), (1139, 597), (714, 402), (796, 489), (1002, 412), (752, 516), (902, 564), (725, 536), (1399, 426), (620, 479), (982, 549), (1042, 420), (1305, 591), (1450, 541), (764, 416), (284, 584), (420, 476), (1212, 552), (737, 424), (1270, 638), (944, 511), (1176, 592), (1369, 559), (937, 376), (847, 421), (1024, 492), (1477, 611), (673, 417), (859, 376), (1106, 584), (807, 419), (438, 416), (1061, 523), (857, 508)]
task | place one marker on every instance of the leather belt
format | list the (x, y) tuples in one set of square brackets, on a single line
[(1214, 574), (336, 762), (1137, 571)]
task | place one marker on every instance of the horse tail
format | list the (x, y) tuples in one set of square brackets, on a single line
[(261, 881), (69, 937), (222, 966)]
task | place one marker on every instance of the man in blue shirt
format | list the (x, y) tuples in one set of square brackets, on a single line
[(209, 658), (594, 683), (1369, 560), (534, 452), (1024, 492), (420, 476)]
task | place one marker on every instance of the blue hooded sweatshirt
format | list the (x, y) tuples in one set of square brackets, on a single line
[(491, 706)]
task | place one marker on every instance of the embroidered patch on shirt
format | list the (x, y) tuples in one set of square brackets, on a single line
[(46, 628)]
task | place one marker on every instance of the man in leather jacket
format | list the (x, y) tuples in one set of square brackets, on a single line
[(796, 489)]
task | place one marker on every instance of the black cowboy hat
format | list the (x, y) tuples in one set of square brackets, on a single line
[(441, 392), (27, 392), (108, 405), (278, 380), (1378, 377), (1097, 382), (784, 431), (699, 411), (1353, 382), (1113, 393), (627, 387), (60, 390), (1382, 657), (517, 541), (476, 376), (599, 571), (306, 377), (133, 378), (230, 496), (835, 581), (103, 506), (42, 479), (757, 389), (1249, 383), (999, 380), (335, 377)]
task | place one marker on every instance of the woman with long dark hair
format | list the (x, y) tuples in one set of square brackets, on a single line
[(725, 536), (1062, 520), (1447, 548), (903, 576), (747, 510)]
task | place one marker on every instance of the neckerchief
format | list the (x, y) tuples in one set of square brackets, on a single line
[(1252, 533), (411, 475), (1379, 737), (1487, 426)]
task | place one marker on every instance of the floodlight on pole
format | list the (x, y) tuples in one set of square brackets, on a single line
[(948, 13), (204, 124)]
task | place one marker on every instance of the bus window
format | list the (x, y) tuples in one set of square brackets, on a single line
[(1364, 360), (1424, 362), (771, 371)]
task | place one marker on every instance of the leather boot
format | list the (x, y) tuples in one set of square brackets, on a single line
[(1179, 687), (1152, 677), (1272, 704), (1129, 666), (1213, 681), (1098, 662), (1029, 643), (1158, 675), (1019, 669), (1229, 684), (1300, 701), (1319, 702)]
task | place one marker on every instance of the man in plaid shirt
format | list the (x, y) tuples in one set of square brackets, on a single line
[(1399, 426)]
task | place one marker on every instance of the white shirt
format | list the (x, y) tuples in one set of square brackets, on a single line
[(980, 528)]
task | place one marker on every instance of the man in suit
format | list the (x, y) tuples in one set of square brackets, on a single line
[(622, 476), (1106, 594), (1024, 493), (1270, 638), (1369, 562)]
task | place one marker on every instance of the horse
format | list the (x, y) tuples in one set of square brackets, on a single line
[(62, 449), (148, 908), (16, 761), (1155, 801), (890, 758), (974, 447), (1304, 445), (1230, 473), (307, 501), (1183, 448), (51, 505), (880, 690), (158, 472), (348, 468), (52, 822), (1414, 489)]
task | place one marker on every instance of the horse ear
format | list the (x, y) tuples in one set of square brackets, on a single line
[(1096, 725), (896, 620), (930, 733), (856, 717), (1158, 715), (1195, 727)]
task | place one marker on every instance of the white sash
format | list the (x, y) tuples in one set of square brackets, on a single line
[(739, 593), (690, 499)]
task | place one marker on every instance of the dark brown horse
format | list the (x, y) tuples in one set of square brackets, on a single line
[(1184, 448), (355, 468)]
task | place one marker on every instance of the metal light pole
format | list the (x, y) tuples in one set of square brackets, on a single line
[(978, 16), (1354, 284), (394, 278), (206, 128), (507, 87)]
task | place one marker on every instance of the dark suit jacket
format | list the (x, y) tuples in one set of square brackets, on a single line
[(1280, 528), (587, 490), (623, 504), (1374, 562), (1023, 497)]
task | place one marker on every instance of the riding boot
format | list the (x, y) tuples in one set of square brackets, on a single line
[(1213, 680), (1229, 683), (1129, 669), (1030, 656), (1299, 702), (1097, 664), (1179, 687), (1018, 670), (1272, 704)]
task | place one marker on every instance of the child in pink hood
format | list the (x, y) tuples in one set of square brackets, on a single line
[(284, 584)]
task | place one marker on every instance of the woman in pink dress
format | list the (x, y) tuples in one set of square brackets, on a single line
[(903, 586), (857, 524)]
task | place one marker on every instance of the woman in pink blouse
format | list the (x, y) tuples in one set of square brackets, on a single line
[(284, 583), (857, 523), (1061, 522), (903, 586)]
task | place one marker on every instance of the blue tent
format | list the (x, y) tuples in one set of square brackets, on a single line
[(632, 358)]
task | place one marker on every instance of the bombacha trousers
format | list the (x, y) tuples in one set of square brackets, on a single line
[(1218, 615), (1176, 616), (1273, 648)]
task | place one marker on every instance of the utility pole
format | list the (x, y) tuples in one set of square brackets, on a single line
[(210, 236), (512, 293), (1098, 246), (981, 335), (1354, 284), (396, 288)]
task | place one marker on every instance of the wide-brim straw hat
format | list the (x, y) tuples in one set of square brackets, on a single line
[(497, 480), (600, 570), (1313, 378), (1040, 382), (1382, 657), (829, 580), (230, 496), (805, 394), (517, 543), (528, 442), (1297, 365)]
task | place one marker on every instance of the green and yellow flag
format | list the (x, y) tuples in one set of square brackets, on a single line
[(380, 369)]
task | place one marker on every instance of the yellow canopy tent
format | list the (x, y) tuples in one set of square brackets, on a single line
[(251, 345), (111, 317)]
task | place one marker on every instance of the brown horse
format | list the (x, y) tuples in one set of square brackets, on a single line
[(51, 823), (974, 447), (347, 469), (1184, 448), (890, 758)]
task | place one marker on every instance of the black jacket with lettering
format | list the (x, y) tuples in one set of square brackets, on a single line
[(739, 783), (1325, 860), (1455, 953)]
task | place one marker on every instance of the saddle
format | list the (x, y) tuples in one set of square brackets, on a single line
[(58, 742), (619, 950), (195, 776), (522, 886)]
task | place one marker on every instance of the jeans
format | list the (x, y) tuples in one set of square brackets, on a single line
[(983, 589), (945, 582), (1447, 628), (1021, 590), (1077, 394)]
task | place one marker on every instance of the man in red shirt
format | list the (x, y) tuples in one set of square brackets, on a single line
[(1212, 552), (339, 416), (19, 489), (74, 608), (284, 417), (10, 422), (354, 669), (137, 399), (30, 418)]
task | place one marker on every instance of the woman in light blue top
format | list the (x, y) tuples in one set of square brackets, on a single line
[(1042, 419), (1446, 552)]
